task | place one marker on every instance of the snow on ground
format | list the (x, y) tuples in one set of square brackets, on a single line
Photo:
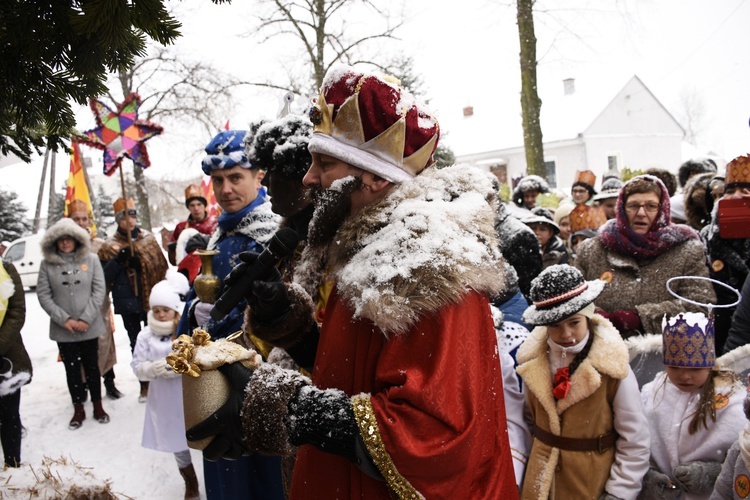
[(109, 451)]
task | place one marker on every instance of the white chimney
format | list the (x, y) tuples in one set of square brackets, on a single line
[(569, 86)]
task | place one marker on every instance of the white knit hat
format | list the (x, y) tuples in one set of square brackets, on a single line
[(165, 295)]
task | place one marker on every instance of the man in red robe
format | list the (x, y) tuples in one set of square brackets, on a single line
[(406, 396)]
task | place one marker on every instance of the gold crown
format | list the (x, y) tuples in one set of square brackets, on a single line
[(193, 191), (387, 146), (77, 205), (585, 176), (120, 205), (738, 170)]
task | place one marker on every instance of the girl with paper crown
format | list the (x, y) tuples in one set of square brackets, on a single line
[(694, 411), (590, 435)]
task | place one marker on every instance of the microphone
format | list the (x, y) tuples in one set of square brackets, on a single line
[(282, 244)]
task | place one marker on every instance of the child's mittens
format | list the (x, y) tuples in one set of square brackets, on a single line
[(697, 477), (658, 485), (163, 370)]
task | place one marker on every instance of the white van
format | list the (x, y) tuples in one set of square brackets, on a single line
[(26, 255)]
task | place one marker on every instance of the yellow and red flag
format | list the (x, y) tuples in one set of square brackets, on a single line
[(77, 188), (213, 207)]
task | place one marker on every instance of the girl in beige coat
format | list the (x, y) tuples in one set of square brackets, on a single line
[(590, 436)]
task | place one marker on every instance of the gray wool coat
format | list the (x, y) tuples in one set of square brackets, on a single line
[(642, 285), (71, 285)]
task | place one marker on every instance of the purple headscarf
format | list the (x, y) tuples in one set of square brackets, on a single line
[(617, 236)]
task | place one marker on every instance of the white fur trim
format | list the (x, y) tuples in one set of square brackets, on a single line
[(12, 384), (325, 144)]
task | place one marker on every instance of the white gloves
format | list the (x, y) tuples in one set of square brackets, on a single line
[(202, 313), (149, 370)]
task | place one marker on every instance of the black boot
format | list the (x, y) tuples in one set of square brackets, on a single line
[(99, 414), (191, 483), (143, 396), (109, 385)]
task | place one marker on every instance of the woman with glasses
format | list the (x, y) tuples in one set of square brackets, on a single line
[(637, 252), (71, 290)]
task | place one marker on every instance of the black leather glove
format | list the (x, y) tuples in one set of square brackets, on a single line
[(269, 302), (123, 256), (240, 270), (225, 423)]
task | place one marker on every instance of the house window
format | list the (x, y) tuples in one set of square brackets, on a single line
[(613, 163), (549, 166), (501, 172)]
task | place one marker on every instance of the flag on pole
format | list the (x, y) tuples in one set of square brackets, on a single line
[(208, 193), (77, 188)]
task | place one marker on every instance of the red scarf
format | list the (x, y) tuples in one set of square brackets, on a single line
[(561, 383)]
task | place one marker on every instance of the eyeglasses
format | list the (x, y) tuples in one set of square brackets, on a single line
[(132, 212), (649, 208), (579, 190)]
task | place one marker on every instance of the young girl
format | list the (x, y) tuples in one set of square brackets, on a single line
[(694, 411), (164, 427), (590, 435)]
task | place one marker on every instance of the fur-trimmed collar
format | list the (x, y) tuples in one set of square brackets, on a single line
[(608, 356), (421, 247), (65, 227), (258, 225)]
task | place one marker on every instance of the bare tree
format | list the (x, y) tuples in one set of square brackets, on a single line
[(691, 114), (531, 104), (325, 34), (175, 89)]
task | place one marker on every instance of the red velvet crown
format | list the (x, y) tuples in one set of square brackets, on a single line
[(372, 123)]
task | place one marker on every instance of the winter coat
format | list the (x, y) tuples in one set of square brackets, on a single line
[(519, 247), (251, 234), (412, 339), (164, 426), (153, 269), (12, 350), (641, 285), (734, 481), (669, 411), (555, 253), (739, 332), (107, 348), (70, 285), (729, 263), (603, 396)]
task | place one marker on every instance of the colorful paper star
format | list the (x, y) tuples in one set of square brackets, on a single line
[(120, 133)]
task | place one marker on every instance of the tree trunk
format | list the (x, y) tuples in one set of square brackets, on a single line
[(530, 102), (38, 213)]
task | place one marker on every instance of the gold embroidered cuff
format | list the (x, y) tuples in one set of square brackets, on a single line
[(368, 429)]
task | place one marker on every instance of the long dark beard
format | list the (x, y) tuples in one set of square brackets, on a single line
[(332, 207)]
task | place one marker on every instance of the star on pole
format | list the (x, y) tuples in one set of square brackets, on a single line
[(120, 133)]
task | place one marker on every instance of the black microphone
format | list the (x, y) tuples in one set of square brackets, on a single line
[(282, 244)]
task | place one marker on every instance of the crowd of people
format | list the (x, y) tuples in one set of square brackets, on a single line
[(424, 339)]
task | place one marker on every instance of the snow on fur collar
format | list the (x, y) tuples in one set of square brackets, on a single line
[(421, 247), (65, 227), (608, 356), (258, 225)]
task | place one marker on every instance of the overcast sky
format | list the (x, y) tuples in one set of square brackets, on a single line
[(468, 53)]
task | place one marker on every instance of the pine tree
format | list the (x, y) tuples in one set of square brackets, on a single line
[(52, 53), (57, 210), (104, 213), (13, 220)]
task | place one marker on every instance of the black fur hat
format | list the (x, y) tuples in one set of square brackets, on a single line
[(281, 146)]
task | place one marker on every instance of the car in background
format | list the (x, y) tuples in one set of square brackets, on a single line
[(26, 255)]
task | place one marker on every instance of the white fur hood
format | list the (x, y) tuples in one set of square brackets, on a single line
[(65, 227)]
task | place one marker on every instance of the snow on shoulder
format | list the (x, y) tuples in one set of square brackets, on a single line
[(423, 246)]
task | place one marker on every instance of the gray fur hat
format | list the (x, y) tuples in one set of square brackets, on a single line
[(558, 293), (529, 183)]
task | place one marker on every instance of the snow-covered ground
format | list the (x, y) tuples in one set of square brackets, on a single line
[(109, 451)]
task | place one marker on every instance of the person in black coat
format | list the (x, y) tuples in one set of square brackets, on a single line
[(519, 247)]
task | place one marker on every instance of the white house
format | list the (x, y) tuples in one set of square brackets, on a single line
[(580, 131)]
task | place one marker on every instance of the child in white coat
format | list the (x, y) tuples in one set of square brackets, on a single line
[(164, 427), (694, 412)]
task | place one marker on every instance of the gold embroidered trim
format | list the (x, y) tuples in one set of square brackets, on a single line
[(368, 429)]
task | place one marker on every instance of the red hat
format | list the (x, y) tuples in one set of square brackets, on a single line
[(372, 123)]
